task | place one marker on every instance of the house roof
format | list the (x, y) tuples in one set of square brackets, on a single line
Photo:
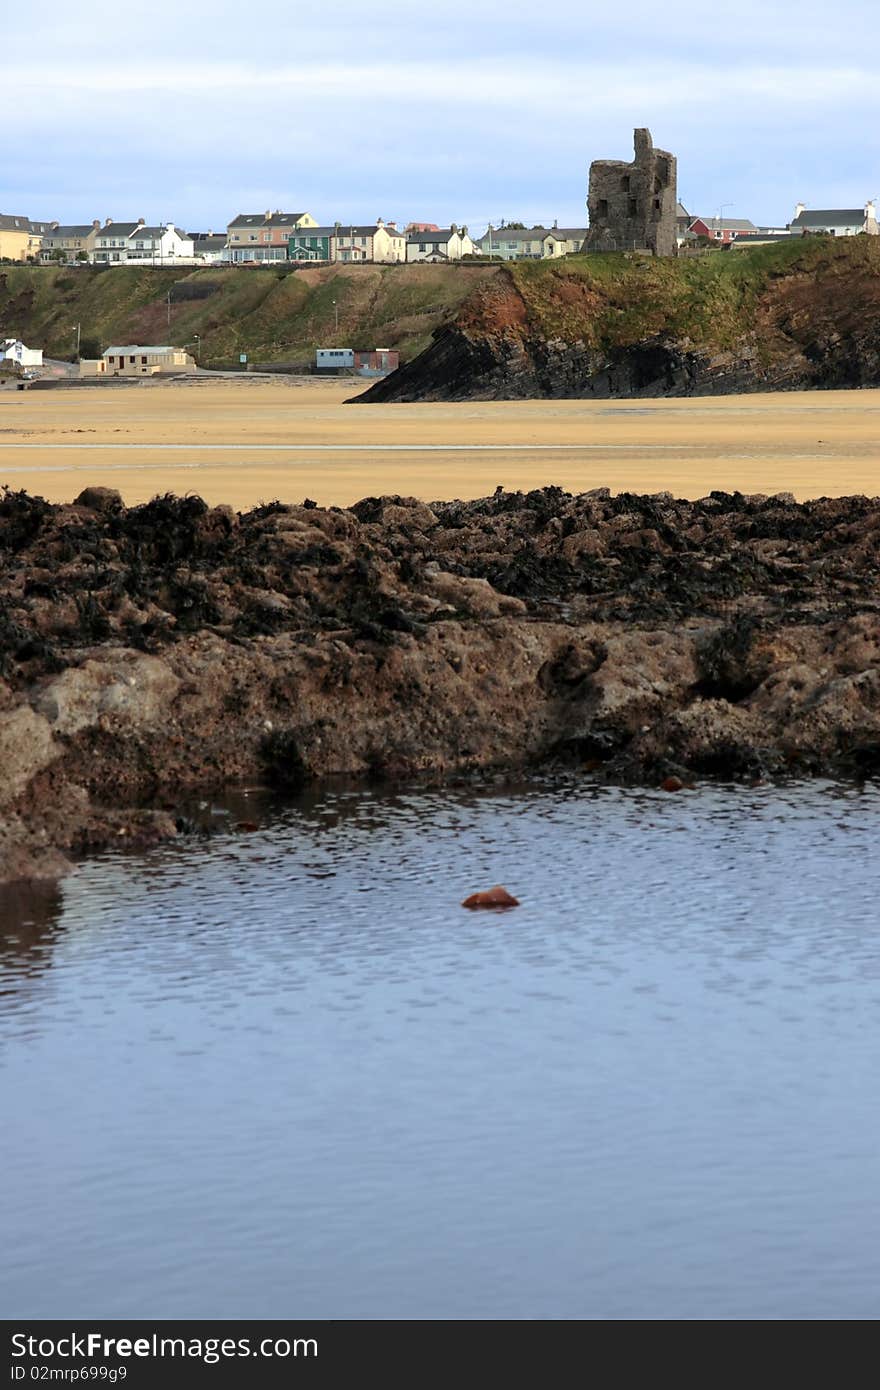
[(71, 231), (349, 229), (315, 231), (213, 242), (569, 233), (730, 224), (132, 349), (521, 234), (830, 217), (439, 234), (681, 210), (41, 227), (262, 219), (117, 229), (9, 223)]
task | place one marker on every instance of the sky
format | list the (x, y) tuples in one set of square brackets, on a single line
[(484, 112)]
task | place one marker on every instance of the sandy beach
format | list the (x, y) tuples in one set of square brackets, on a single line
[(248, 441)]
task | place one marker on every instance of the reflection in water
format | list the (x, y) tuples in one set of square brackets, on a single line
[(284, 1073), (29, 924)]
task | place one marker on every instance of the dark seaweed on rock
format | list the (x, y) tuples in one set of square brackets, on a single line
[(178, 646)]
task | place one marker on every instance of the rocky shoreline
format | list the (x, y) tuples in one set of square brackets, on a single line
[(153, 652)]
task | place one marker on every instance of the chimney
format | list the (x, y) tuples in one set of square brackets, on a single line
[(141, 221), (452, 227), (108, 221), (379, 222), (464, 230), (268, 214), (870, 214), (799, 209), (96, 222)]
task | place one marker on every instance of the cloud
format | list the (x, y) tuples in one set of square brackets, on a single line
[(425, 119)]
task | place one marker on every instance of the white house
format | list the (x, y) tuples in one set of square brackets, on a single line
[(118, 243), (439, 244), (14, 350), (836, 221), (158, 245), (527, 244)]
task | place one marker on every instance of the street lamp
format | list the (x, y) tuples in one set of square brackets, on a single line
[(336, 314)]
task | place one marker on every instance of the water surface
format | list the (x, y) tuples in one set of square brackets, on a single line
[(285, 1074)]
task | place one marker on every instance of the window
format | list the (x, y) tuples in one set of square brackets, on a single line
[(657, 204), (252, 236), (602, 207), (144, 360), (624, 184), (131, 359), (633, 208)]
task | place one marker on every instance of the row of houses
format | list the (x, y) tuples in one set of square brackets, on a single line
[(270, 237), (278, 236), (806, 222)]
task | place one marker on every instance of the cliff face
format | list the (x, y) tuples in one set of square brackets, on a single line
[(149, 653), (781, 317)]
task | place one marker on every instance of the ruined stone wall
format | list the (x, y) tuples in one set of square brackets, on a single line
[(632, 205)]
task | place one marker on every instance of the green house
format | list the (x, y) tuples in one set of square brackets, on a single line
[(311, 244)]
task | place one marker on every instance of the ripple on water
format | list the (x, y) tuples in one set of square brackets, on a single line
[(286, 1073)]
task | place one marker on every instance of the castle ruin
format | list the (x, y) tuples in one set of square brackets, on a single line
[(632, 206)]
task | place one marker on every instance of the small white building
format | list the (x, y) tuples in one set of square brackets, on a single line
[(835, 221), (332, 359), (14, 350), (439, 244)]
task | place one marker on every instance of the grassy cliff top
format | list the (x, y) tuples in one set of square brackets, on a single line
[(272, 314), (712, 300)]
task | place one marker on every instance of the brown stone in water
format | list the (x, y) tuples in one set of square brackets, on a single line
[(491, 897), (672, 784)]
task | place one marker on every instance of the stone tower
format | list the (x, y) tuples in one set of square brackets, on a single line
[(632, 206)]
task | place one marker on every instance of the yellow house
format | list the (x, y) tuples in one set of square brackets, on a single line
[(15, 237), (145, 361)]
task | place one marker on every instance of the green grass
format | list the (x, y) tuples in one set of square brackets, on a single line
[(271, 314), (616, 300)]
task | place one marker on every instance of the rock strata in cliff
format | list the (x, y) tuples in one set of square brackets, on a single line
[(783, 317), (151, 652)]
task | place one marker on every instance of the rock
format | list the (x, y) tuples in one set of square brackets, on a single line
[(100, 499), (170, 647), (26, 748), (672, 784), (126, 690), (496, 897)]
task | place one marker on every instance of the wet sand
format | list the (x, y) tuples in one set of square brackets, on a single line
[(245, 442)]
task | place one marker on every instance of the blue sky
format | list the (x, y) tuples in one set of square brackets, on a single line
[(413, 116)]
